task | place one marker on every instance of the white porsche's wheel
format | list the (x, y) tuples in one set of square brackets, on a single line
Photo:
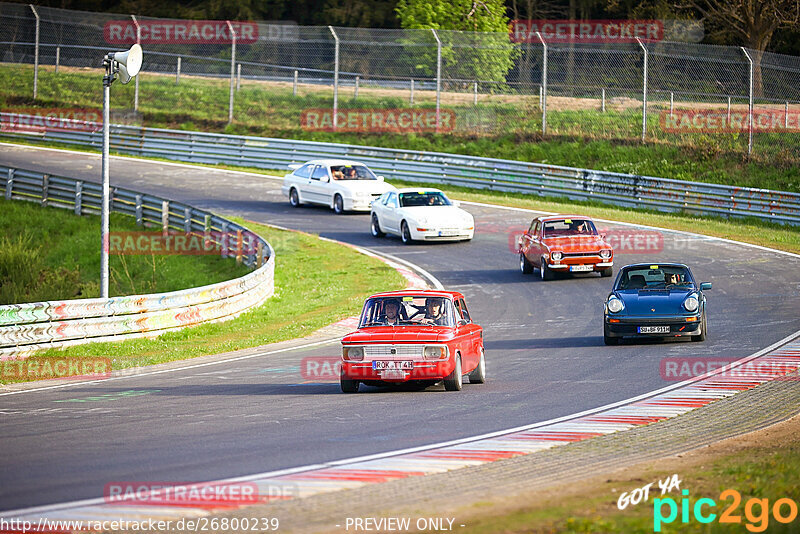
[(405, 234), (375, 227)]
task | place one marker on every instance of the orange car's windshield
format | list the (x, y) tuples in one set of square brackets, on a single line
[(408, 310), (569, 227)]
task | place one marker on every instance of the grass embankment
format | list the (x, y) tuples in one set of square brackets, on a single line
[(51, 254), (316, 283), (500, 126), (761, 465)]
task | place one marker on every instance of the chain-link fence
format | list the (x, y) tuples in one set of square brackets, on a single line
[(281, 79)]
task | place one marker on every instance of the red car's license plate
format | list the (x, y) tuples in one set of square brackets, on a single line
[(381, 365), (653, 330)]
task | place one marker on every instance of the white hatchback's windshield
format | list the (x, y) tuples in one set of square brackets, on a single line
[(352, 172), (408, 311)]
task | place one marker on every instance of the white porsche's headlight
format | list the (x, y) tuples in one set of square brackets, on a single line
[(556, 256), (615, 305), (691, 303), (353, 353)]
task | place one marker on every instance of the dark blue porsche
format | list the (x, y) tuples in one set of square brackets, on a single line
[(650, 300)]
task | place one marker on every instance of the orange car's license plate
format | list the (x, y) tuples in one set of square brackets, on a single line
[(382, 365)]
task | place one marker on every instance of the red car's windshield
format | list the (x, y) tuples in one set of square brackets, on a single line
[(408, 311)]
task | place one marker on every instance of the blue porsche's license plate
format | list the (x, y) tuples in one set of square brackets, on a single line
[(653, 330)]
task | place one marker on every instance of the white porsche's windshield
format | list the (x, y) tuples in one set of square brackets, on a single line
[(423, 198), (408, 311)]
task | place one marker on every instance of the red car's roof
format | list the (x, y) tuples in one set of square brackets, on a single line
[(420, 292)]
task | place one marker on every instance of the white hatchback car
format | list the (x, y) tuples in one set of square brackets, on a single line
[(341, 184), (421, 214)]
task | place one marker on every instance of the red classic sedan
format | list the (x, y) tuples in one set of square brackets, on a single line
[(414, 335), (564, 243)]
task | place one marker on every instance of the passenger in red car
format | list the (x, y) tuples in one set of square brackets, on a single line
[(433, 312)]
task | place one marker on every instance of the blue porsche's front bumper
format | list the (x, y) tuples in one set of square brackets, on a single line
[(672, 326)]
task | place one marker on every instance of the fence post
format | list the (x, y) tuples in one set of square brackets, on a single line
[(750, 104), (355, 91), (475, 94), (139, 210), (45, 188), (644, 90), (35, 55), (187, 220), (603, 101), (78, 198), (178, 72), (786, 115), (438, 78), (224, 240), (58, 57), (207, 232), (233, 71), (729, 111), (10, 184), (335, 76), (238, 76), (136, 81), (671, 102), (544, 83), (294, 87), (411, 98), (165, 216)]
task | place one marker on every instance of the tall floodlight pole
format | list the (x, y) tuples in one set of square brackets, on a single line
[(122, 65)]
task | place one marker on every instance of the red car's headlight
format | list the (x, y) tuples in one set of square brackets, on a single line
[(438, 352), (353, 353)]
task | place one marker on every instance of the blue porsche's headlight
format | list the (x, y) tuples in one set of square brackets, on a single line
[(691, 303), (615, 305)]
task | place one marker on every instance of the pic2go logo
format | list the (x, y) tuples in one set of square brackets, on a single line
[(756, 511)]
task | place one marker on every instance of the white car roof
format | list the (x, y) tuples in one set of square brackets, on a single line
[(418, 189), (334, 162)]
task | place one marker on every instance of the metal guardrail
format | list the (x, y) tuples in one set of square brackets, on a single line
[(618, 189), (25, 328)]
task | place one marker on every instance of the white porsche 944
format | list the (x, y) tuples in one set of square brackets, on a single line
[(420, 215)]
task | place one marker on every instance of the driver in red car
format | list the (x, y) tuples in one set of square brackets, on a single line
[(434, 312)]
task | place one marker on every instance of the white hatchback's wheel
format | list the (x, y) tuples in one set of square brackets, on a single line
[(405, 233), (454, 380), (338, 204), (294, 198), (375, 227), (478, 375)]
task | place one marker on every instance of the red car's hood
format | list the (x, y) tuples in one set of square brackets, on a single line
[(401, 334), (576, 243)]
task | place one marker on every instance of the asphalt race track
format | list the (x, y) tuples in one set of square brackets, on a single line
[(544, 350)]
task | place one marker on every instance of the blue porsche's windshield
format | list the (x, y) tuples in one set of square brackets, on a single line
[(655, 277)]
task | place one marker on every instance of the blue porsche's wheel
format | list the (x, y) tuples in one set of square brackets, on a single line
[(702, 335)]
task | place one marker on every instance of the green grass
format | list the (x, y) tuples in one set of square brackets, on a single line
[(582, 138), (762, 471), (48, 253), (316, 283)]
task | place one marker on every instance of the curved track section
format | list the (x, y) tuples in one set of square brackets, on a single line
[(544, 346)]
